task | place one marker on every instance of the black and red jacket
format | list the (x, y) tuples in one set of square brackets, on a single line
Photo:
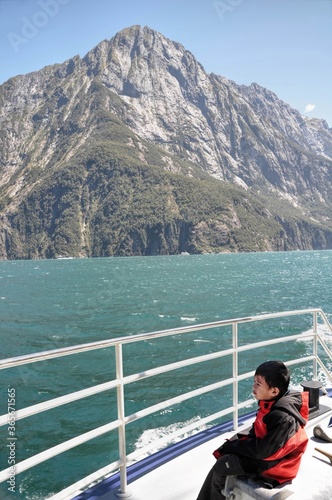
[(277, 440)]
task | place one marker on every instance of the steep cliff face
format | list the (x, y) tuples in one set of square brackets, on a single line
[(236, 133), (76, 137)]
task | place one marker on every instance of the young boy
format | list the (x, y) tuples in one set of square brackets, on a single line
[(276, 442)]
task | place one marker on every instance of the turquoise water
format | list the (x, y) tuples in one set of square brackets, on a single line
[(51, 304)]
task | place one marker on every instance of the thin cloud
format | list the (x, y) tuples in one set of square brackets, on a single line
[(309, 107)]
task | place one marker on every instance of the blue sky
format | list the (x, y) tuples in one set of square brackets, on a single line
[(284, 45)]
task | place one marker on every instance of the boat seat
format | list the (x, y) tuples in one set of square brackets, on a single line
[(239, 487)]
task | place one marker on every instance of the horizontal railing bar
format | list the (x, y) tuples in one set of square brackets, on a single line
[(208, 357), (62, 400), (81, 348), (177, 399), (299, 361), (180, 432), (195, 425), (277, 340), (245, 404), (174, 366), (244, 376), (56, 402), (74, 396), (59, 448)]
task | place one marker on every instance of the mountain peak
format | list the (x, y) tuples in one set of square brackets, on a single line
[(142, 99)]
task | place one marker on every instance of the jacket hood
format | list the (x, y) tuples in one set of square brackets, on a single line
[(291, 403)]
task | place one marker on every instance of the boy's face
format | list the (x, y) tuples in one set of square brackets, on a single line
[(262, 391)]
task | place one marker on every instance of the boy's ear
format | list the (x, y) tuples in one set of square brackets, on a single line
[(275, 391)]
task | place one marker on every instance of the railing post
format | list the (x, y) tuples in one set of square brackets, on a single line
[(315, 345), (235, 376), (123, 492)]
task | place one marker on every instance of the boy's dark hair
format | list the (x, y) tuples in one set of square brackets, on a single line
[(276, 374)]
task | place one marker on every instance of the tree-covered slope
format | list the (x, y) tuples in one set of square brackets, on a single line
[(102, 206)]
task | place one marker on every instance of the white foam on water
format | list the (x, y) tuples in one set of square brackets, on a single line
[(322, 330), (154, 435)]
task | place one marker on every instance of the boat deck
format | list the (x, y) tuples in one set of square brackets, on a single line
[(182, 477)]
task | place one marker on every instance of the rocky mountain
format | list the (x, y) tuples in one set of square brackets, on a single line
[(135, 150)]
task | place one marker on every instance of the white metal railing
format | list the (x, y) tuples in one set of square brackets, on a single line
[(121, 381)]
